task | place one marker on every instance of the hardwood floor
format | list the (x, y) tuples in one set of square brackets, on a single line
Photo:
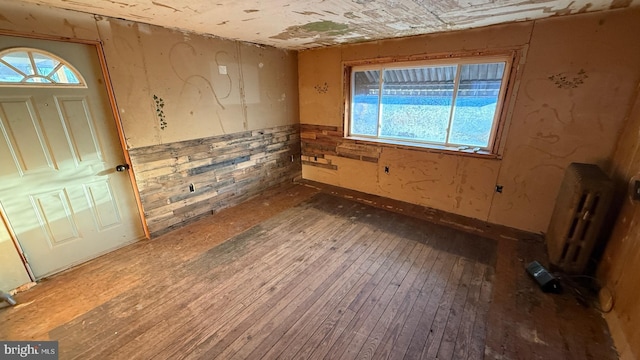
[(298, 273)]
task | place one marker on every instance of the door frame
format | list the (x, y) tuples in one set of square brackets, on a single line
[(5, 222), (116, 117)]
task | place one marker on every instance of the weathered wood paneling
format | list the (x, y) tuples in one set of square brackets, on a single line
[(225, 170), (319, 140)]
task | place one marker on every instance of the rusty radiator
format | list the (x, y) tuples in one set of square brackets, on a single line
[(580, 210)]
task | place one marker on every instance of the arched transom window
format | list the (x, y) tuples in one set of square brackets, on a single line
[(33, 67)]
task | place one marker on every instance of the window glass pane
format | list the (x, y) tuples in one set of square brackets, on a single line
[(17, 68), (20, 60), (476, 104), (7, 74), (38, 80), (416, 102), (64, 76), (70, 75), (44, 64), (364, 105)]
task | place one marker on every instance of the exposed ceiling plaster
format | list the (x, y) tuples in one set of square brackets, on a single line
[(302, 24)]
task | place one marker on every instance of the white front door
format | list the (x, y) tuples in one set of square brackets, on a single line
[(59, 148)]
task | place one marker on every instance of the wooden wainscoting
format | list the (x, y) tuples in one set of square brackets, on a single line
[(224, 170)]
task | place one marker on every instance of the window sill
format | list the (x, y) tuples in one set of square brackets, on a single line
[(396, 144)]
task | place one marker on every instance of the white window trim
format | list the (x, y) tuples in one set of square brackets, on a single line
[(82, 83), (512, 57)]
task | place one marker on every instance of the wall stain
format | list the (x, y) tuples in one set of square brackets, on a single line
[(323, 28), (322, 89), (160, 111), (372, 14), (223, 23), (546, 113), (71, 26), (618, 4), (551, 138), (351, 15), (563, 81), (251, 11)]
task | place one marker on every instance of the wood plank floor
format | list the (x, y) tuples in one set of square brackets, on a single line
[(301, 274)]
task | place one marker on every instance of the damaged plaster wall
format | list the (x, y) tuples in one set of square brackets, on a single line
[(552, 123), (305, 24), (202, 86), (621, 261), (208, 86)]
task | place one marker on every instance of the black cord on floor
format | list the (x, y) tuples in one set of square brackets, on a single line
[(587, 293)]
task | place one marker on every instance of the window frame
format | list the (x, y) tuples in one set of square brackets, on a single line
[(52, 84), (506, 97)]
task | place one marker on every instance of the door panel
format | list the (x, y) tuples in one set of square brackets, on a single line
[(58, 151), (53, 210), (79, 128), (21, 128), (103, 203)]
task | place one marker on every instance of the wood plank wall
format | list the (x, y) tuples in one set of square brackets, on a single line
[(225, 170), (320, 140)]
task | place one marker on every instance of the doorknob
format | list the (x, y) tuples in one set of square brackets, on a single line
[(122, 167)]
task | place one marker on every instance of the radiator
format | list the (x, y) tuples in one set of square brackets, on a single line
[(580, 210)]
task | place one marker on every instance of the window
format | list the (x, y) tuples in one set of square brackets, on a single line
[(450, 104), (32, 67)]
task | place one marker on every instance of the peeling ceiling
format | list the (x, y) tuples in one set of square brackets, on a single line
[(303, 24)]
